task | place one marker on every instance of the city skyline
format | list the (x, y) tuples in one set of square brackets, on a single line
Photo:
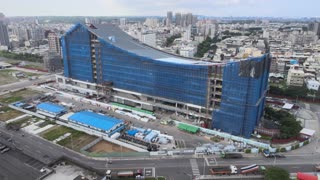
[(219, 8)]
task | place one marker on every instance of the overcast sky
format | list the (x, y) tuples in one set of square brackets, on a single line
[(274, 8)]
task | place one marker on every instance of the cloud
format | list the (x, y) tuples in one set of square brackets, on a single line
[(160, 7)]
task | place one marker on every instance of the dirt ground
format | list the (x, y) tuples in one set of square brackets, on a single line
[(77, 143), (7, 113), (106, 147)]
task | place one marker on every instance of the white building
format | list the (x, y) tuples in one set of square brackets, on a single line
[(187, 34), (151, 22), (295, 76), (187, 51), (122, 21), (313, 84), (149, 39)]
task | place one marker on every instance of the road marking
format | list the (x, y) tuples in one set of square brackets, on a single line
[(307, 106), (194, 167)]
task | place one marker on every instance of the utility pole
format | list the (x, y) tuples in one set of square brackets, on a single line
[(204, 166)]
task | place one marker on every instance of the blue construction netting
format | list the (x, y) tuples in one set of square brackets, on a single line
[(180, 82), (76, 53), (51, 108), (243, 96), (95, 120)]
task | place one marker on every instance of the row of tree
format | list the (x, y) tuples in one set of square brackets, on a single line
[(273, 173), (206, 45), (293, 92), (24, 56), (289, 126), (171, 39)]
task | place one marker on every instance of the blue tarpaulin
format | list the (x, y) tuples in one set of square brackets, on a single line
[(132, 132), (50, 108), (98, 121)]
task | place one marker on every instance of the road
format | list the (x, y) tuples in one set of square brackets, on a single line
[(173, 168), (26, 83), (15, 165)]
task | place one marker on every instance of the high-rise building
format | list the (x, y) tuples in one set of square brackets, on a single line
[(169, 18), (4, 37), (189, 19), (107, 61), (37, 33), (91, 20), (194, 19), (178, 19), (183, 19), (54, 43), (123, 21), (315, 27), (187, 34), (149, 39), (53, 62)]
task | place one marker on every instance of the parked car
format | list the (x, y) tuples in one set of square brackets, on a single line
[(5, 150)]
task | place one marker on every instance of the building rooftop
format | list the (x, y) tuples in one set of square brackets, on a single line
[(114, 35), (50, 107), (92, 119)]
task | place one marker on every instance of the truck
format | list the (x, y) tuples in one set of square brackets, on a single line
[(125, 174), (229, 155), (266, 153), (249, 169), (224, 170)]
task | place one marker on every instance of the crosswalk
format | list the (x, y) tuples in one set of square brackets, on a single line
[(194, 167), (180, 143)]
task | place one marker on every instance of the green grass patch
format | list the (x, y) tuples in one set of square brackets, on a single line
[(18, 95), (34, 66), (266, 137), (9, 113), (6, 77), (215, 139), (45, 123), (55, 133), (20, 122), (75, 135)]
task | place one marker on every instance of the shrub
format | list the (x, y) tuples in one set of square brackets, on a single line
[(296, 146), (277, 150), (305, 143), (247, 151), (283, 150)]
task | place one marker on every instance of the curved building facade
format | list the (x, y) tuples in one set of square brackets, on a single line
[(103, 59)]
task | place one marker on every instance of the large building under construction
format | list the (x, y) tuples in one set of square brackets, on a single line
[(104, 60)]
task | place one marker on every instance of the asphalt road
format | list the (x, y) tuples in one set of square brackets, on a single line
[(26, 83), (173, 168), (15, 165)]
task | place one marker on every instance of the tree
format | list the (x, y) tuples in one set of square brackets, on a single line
[(276, 173), (289, 126), (170, 39)]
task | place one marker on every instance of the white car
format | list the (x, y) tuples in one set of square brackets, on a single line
[(43, 170)]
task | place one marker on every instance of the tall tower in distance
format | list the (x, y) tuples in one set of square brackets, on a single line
[(169, 18), (178, 19), (4, 38), (54, 43)]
